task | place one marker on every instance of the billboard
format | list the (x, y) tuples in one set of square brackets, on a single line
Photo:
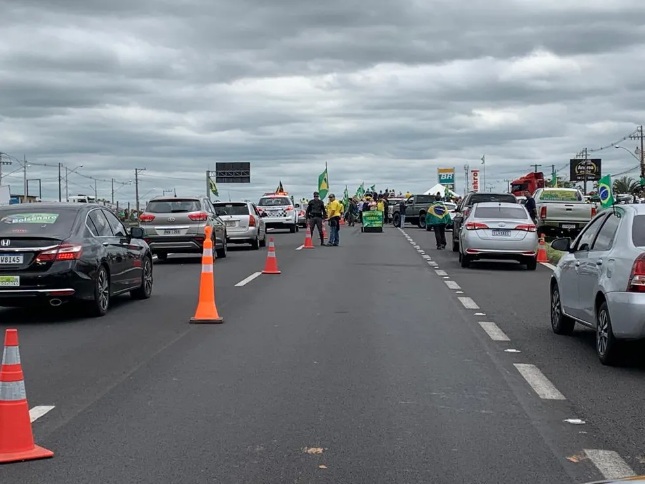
[(233, 173), (579, 167), (475, 176), (446, 177)]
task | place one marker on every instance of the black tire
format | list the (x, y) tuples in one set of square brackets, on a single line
[(255, 244), (162, 256), (560, 323), (531, 264), (464, 260), (607, 347), (422, 220), (396, 219), (455, 246), (100, 304), (221, 252), (263, 242), (145, 290), (292, 229)]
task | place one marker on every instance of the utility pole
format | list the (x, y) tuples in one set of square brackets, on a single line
[(2, 162), (66, 184), (96, 191), (60, 187), (554, 177), (638, 135), (467, 173), (136, 185), (585, 155), (113, 190), (508, 184), (24, 179), (536, 165)]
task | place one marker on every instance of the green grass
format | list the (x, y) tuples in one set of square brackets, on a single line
[(553, 254)]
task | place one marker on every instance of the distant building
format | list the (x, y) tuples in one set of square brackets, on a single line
[(18, 198)]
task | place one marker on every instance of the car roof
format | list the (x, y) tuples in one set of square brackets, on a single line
[(178, 197), (232, 202), (498, 204), (39, 206)]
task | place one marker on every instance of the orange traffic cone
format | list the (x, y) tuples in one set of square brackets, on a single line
[(541, 254), (16, 436), (308, 243), (324, 230), (271, 266), (342, 221), (206, 308)]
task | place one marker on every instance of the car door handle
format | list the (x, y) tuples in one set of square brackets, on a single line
[(599, 262), (106, 244)]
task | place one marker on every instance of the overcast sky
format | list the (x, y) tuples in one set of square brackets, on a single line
[(385, 91)]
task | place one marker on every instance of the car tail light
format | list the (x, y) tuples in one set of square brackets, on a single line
[(543, 212), (64, 252), (198, 216), (473, 226), (637, 277), (290, 208), (526, 227), (146, 217), (251, 221), (594, 211)]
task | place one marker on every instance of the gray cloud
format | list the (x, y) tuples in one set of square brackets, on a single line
[(384, 91)]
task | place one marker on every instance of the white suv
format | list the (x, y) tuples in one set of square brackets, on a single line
[(280, 212)]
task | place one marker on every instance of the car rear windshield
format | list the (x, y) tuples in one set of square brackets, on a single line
[(268, 201), (561, 196), (501, 213), (27, 221), (638, 231), (477, 198), (173, 206), (238, 209)]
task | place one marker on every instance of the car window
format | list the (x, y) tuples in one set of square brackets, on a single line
[(101, 226), (501, 212), (233, 208), (638, 231), (605, 239), (587, 236), (173, 206), (32, 221), (278, 201), (115, 224), (487, 197)]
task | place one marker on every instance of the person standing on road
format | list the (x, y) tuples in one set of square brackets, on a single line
[(530, 205), (335, 211), (402, 214), (438, 217), (315, 214)]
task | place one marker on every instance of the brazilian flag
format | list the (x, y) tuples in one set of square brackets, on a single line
[(213, 187), (438, 214), (323, 184), (605, 192)]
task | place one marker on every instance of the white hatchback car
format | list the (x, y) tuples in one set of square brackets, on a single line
[(600, 281), (244, 223)]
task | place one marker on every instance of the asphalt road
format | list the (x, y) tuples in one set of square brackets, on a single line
[(357, 364)]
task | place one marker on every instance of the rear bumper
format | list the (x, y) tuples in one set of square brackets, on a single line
[(627, 312), (39, 288), (242, 236), (175, 244), (279, 221), (499, 254)]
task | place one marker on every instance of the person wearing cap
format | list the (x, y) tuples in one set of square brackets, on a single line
[(335, 211), (315, 214)]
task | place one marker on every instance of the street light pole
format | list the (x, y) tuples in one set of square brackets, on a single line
[(24, 179), (2, 162), (136, 185), (60, 188)]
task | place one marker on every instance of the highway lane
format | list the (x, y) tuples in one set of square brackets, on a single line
[(607, 399), (356, 364), (71, 361)]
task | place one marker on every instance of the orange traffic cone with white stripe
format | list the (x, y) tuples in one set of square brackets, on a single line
[(206, 308), (271, 265), (308, 242), (324, 230), (16, 436), (541, 254)]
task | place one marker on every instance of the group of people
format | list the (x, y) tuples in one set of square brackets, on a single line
[(317, 212)]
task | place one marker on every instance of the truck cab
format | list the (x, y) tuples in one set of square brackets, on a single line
[(529, 182)]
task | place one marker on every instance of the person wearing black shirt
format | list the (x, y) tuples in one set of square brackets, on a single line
[(531, 208), (315, 214)]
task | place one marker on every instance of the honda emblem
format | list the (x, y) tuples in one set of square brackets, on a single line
[(5, 243)]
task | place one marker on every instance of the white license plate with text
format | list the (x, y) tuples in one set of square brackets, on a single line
[(501, 232), (11, 258), (568, 226)]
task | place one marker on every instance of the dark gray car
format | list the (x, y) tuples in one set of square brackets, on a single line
[(177, 224)]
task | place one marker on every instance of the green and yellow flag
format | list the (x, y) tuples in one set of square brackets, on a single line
[(346, 198), (360, 192), (323, 184), (213, 186), (605, 192)]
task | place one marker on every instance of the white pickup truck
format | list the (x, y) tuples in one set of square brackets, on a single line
[(562, 211)]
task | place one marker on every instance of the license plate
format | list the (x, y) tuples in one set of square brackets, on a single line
[(501, 232), (230, 223), (568, 226), (9, 281), (171, 232), (11, 259)]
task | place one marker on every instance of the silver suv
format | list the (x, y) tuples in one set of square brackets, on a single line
[(176, 225)]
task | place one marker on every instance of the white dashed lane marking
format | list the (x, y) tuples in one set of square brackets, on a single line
[(248, 279), (38, 412), (452, 285), (494, 332), (610, 464), (300, 247), (468, 302), (440, 272), (539, 382), (548, 265)]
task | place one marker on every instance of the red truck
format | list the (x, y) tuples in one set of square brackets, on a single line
[(531, 182)]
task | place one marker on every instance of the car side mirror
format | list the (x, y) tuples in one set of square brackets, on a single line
[(263, 214), (136, 233), (562, 244)]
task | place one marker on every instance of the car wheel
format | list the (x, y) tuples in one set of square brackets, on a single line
[(221, 252), (101, 303), (145, 290), (422, 221), (255, 244), (292, 229), (606, 343), (455, 247), (263, 242), (396, 220), (464, 259), (162, 256), (560, 323), (531, 264)]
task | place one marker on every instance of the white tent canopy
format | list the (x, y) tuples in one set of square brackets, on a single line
[(441, 189)]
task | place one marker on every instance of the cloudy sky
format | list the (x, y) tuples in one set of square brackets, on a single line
[(385, 91)]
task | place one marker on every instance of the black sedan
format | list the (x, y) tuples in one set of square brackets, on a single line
[(55, 253)]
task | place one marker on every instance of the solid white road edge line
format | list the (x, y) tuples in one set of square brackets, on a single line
[(610, 464), (468, 302), (440, 272), (300, 247), (39, 411), (249, 279), (494, 332), (453, 285), (548, 265), (538, 381)]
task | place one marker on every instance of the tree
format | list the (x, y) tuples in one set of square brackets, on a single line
[(626, 185)]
